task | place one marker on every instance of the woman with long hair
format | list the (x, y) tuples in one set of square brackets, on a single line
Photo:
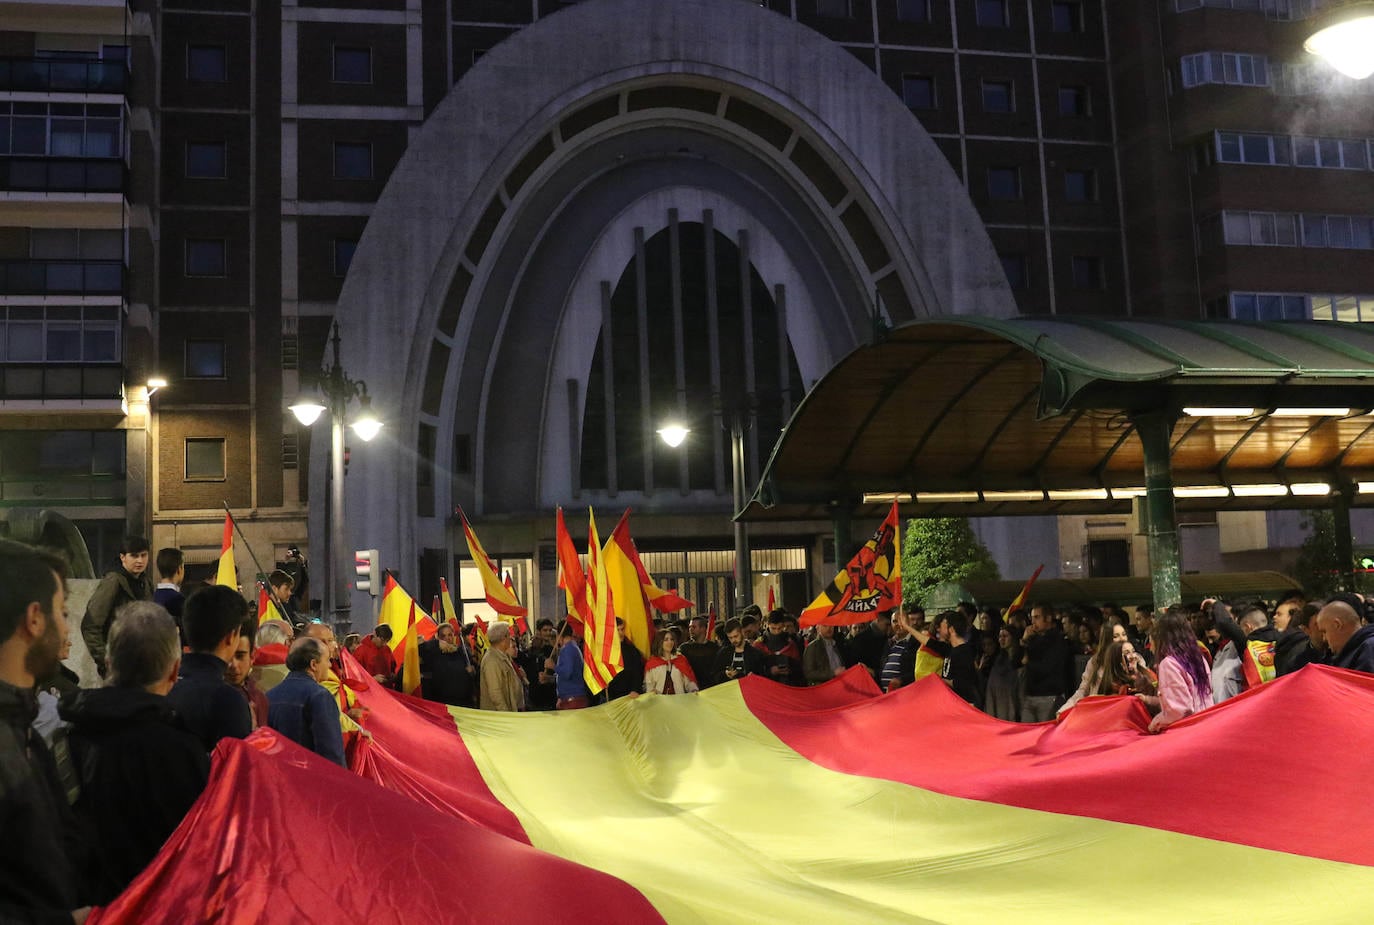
[(1113, 631), (668, 672), (1126, 673), (1184, 685), (1002, 699)]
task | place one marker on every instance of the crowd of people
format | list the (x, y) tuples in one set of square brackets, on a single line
[(94, 780)]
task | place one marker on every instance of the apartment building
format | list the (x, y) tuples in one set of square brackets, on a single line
[(183, 185)]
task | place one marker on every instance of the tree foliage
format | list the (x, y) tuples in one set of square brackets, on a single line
[(1317, 568), (940, 549)]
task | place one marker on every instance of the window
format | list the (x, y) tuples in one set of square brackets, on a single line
[(352, 161), (1269, 306), (1087, 272), (1314, 231), (1018, 277), (61, 129), (205, 459), (1080, 185), (1336, 153), (835, 9), (993, 14), (918, 91), (1004, 183), (1235, 148), (913, 10), (1073, 101), (343, 255), (352, 65), (57, 334), (1284, 229), (1215, 67), (998, 96), (205, 359), (206, 63), (205, 257), (1066, 16), (205, 159)]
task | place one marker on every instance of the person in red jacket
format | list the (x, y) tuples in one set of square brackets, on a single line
[(375, 655)]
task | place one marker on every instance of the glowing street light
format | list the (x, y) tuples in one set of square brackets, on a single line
[(1345, 39)]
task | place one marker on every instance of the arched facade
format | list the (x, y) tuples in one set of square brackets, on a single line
[(474, 303)]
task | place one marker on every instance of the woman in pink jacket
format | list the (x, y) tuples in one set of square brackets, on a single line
[(1184, 685)]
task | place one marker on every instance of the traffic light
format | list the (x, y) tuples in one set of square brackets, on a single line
[(369, 571)]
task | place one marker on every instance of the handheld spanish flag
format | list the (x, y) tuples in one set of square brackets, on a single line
[(571, 576), (772, 600), (522, 626), (227, 574), (601, 656), (501, 599), (634, 588), (410, 670), (711, 623), (1023, 595), (268, 608), (870, 583)]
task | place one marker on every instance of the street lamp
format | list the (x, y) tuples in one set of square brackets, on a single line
[(1345, 38), (338, 390), (673, 434)]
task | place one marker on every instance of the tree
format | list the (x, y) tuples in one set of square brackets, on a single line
[(940, 549), (1318, 569)]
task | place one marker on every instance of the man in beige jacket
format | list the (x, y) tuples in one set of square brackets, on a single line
[(502, 688)]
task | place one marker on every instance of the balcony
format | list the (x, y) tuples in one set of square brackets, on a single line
[(62, 382), (61, 277), (62, 175), (44, 75)]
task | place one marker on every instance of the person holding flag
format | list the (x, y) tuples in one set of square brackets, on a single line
[(500, 685), (570, 685)]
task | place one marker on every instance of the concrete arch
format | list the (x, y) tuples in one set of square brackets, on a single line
[(446, 309)]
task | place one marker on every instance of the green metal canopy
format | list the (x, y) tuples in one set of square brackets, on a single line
[(1042, 415)]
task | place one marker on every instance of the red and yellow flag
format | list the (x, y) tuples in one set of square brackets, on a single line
[(396, 609), (268, 608), (571, 576), (601, 658), (227, 574), (501, 598), (522, 625), (1024, 594), (410, 666), (870, 583), (634, 588), (772, 601)]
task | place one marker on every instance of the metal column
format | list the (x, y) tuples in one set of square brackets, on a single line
[(1155, 429)]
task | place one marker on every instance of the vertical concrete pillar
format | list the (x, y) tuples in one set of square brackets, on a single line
[(1155, 429)]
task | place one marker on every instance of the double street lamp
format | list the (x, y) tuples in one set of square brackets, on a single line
[(337, 392), (673, 434)]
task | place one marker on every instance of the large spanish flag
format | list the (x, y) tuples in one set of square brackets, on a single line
[(824, 804)]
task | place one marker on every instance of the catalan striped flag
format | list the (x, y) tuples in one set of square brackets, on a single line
[(601, 656)]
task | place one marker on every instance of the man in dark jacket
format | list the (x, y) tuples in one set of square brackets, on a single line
[(171, 572), (140, 768), (1049, 668), (212, 619), (1294, 649), (301, 709), (630, 680), (781, 651), (1350, 644), (737, 658), (538, 663), (870, 644), (446, 672), (39, 850), (700, 651), (129, 582)]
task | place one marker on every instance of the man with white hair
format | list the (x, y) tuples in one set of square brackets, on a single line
[(502, 688), (141, 769), (269, 658), (1351, 644)]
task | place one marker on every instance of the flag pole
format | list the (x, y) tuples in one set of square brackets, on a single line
[(235, 524)]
